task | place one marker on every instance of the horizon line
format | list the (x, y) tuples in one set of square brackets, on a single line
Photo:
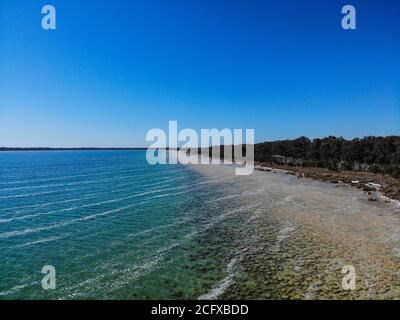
[(146, 148), (68, 148)]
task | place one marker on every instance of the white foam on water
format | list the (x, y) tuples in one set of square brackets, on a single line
[(121, 277), (68, 184), (224, 198), (46, 180), (223, 285), (31, 243), (141, 233), (75, 176), (26, 195), (247, 193), (89, 196), (71, 189), (219, 219), (17, 288), (284, 234), (132, 273), (14, 233), (314, 287), (36, 215), (80, 207)]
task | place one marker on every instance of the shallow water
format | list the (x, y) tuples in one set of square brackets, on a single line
[(301, 233), (115, 227)]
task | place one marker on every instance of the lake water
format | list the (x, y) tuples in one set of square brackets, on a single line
[(115, 227)]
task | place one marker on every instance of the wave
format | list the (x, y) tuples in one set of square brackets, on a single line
[(284, 234), (89, 175), (246, 193), (14, 233), (224, 284), (89, 196), (27, 244), (40, 205), (76, 176), (73, 189), (36, 215), (121, 277), (29, 216), (138, 195), (17, 288), (26, 195), (68, 184)]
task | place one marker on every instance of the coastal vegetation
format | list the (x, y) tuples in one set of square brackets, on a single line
[(369, 154), (370, 163)]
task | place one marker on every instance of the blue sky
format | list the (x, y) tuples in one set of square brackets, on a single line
[(115, 69)]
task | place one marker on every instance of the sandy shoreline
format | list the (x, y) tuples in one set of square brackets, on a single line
[(369, 182), (302, 233)]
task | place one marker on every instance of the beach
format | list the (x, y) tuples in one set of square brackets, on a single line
[(304, 232), (385, 184)]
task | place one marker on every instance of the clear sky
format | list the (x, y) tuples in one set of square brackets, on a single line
[(114, 69)]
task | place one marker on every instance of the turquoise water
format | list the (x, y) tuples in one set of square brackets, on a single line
[(113, 226)]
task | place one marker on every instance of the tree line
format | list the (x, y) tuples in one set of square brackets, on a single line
[(374, 154)]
